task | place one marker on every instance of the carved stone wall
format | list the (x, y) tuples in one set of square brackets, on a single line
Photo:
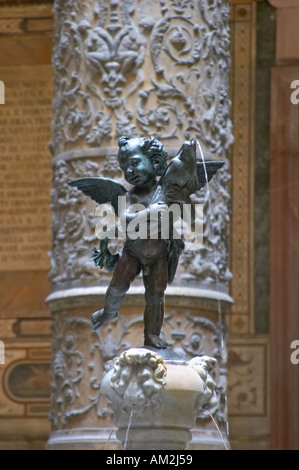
[(134, 68)]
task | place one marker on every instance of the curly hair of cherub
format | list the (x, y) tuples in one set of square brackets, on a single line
[(152, 148)]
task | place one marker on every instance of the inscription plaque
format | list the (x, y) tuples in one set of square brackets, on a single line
[(25, 168)]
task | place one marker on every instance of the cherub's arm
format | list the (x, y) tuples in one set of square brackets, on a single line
[(102, 191)]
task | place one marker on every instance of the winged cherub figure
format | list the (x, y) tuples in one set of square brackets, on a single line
[(142, 161)]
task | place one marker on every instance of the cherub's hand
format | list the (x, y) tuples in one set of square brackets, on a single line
[(99, 257), (103, 256)]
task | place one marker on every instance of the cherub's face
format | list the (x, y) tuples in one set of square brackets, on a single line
[(137, 168)]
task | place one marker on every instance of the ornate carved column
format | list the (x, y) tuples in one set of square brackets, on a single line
[(133, 68)]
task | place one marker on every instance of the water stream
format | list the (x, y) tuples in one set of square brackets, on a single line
[(128, 429), (215, 262), (213, 235), (217, 427), (108, 440)]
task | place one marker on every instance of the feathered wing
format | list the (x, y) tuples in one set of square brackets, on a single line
[(101, 190), (211, 169)]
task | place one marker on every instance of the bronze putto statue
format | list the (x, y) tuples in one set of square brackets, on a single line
[(156, 186)]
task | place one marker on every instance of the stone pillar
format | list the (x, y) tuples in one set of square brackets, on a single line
[(135, 68)]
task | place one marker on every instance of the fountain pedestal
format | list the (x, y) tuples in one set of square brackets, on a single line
[(155, 400)]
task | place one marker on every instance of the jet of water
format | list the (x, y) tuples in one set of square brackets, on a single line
[(215, 262), (128, 429), (213, 235), (217, 427)]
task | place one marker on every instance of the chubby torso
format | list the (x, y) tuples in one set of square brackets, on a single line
[(146, 250)]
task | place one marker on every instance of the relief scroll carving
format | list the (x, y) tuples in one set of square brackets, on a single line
[(72, 226), (99, 62), (79, 362)]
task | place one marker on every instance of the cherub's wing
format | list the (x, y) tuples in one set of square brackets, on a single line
[(211, 168), (101, 190)]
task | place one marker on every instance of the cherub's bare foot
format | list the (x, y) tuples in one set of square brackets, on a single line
[(99, 318), (155, 341)]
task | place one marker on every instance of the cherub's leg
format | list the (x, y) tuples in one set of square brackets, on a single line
[(125, 272), (155, 280)]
